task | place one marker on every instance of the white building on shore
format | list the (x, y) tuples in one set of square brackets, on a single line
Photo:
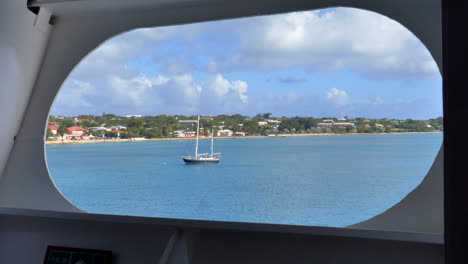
[(184, 133), (100, 129), (324, 124), (224, 133), (343, 124), (273, 121), (118, 127)]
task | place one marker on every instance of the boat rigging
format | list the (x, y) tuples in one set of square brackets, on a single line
[(202, 158)]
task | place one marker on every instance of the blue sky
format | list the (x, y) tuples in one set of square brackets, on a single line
[(333, 62)]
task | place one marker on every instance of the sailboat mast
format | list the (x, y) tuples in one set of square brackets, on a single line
[(196, 145), (212, 132)]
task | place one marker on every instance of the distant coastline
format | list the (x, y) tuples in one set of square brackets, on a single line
[(95, 141)]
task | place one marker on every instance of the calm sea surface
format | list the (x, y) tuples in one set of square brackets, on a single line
[(325, 180)]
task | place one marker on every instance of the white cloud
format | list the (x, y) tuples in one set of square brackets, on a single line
[(112, 77), (343, 38), (160, 93), (160, 80), (132, 91), (174, 94), (76, 94), (185, 88), (339, 97), (114, 54), (111, 49), (223, 87)]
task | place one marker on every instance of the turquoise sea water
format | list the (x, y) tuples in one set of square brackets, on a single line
[(323, 180)]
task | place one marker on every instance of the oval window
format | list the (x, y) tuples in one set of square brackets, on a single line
[(324, 117)]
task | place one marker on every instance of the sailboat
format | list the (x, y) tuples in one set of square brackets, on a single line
[(202, 158)]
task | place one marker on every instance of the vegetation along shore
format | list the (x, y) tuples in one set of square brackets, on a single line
[(130, 128)]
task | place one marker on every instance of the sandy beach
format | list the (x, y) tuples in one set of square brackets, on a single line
[(58, 142)]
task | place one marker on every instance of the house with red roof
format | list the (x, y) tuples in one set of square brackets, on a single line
[(118, 132), (87, 137), (75, 132), (53, 129), (78, 120)]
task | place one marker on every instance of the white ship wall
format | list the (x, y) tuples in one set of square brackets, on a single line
[(37, 57)]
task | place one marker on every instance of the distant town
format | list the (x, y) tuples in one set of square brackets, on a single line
[(111, 126)]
